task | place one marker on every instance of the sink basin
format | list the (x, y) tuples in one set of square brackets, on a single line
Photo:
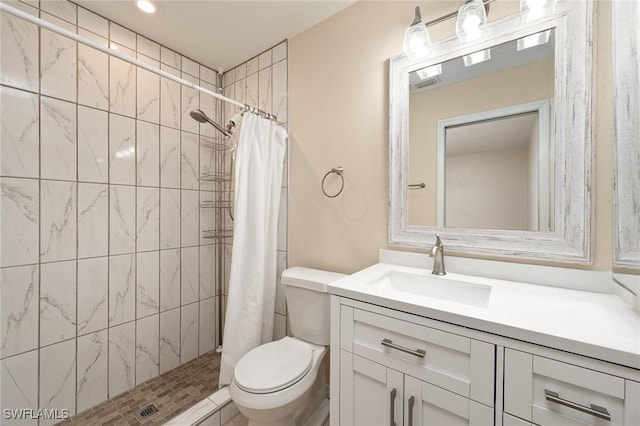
[(435, 287)]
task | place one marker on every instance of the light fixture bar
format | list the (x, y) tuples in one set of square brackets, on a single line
[(451, 15)]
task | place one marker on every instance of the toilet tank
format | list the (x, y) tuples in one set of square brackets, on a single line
[(308, 303)]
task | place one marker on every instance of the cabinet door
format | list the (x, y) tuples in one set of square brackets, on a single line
[(429, 405), (508, 420), (370, 394)]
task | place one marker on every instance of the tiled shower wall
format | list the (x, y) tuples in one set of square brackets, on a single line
[(263, 81), (105, 279)]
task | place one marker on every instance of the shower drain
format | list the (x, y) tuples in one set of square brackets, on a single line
[(147, 411)]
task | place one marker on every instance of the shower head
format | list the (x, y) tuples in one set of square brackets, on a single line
[(201, 117)]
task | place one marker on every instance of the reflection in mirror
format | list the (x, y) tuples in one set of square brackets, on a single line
[(490, 173), (626, 260), (498, 173), (479, 139)]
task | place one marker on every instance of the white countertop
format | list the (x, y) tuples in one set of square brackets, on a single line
[(597, 325)]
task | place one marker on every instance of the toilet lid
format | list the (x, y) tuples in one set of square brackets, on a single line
[(273, 366)]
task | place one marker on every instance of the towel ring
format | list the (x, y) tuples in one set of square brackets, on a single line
[(337, 170)]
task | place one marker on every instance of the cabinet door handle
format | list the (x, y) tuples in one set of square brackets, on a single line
[(420, 353), (594, 410), (411, 401), (392, 403)]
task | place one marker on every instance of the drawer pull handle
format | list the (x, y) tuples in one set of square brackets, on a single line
[(411, 401), (594, 410), (392, 406), (420, 353)]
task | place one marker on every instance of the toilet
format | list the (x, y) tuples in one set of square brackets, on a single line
[(278, 383)]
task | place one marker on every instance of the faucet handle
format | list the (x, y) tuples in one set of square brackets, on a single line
[(438, 242)]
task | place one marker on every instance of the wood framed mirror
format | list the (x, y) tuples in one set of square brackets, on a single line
[(556, 222)]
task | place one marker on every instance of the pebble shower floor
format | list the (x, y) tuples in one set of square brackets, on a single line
[(172, 393)]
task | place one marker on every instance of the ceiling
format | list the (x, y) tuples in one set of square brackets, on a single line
[(218, 34)]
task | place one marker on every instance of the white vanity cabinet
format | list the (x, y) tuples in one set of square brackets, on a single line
[(395, 369)]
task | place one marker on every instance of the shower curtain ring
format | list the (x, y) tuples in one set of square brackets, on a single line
[(337, 170)]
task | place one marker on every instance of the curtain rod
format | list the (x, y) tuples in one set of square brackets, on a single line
[(48, 25)]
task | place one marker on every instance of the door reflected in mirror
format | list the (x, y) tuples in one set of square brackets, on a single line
[(494, 166), (480, 140)]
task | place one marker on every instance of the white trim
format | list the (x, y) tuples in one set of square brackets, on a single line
[(539, 107), (571, 240)]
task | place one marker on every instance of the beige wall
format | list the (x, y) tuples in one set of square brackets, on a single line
[(339, 117)]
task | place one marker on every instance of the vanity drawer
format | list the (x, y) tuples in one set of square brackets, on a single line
[(548, 392), (456, 363)]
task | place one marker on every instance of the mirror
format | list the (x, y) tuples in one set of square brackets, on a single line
[(495, 155), (626, 235), (490, 153)]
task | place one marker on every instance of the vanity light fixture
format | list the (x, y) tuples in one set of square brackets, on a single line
[(146, 6), (530, 10), (417, 42), (472, 18), (534, 40)]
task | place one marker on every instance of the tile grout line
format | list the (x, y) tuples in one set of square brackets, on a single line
[(199, 219), (75, 396), (180, 362), (160, 197), (135, 226), (108, 374), (38, 358)]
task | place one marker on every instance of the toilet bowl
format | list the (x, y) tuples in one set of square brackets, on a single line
[(272, 384)]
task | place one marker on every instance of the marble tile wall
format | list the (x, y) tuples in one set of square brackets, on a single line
[(105, 281), (263, 81)]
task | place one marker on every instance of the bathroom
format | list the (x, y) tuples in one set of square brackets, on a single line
[(110, 282)]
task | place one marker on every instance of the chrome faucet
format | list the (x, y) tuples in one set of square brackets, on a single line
[(437, 252)]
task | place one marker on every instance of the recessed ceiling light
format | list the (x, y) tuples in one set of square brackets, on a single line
[(429, 72), (534, 40), (146, 6), (477, 57)]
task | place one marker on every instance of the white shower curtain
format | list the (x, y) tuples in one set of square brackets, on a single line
[(252, 281)]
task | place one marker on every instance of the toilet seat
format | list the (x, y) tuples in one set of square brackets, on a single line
[(273, 366)]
